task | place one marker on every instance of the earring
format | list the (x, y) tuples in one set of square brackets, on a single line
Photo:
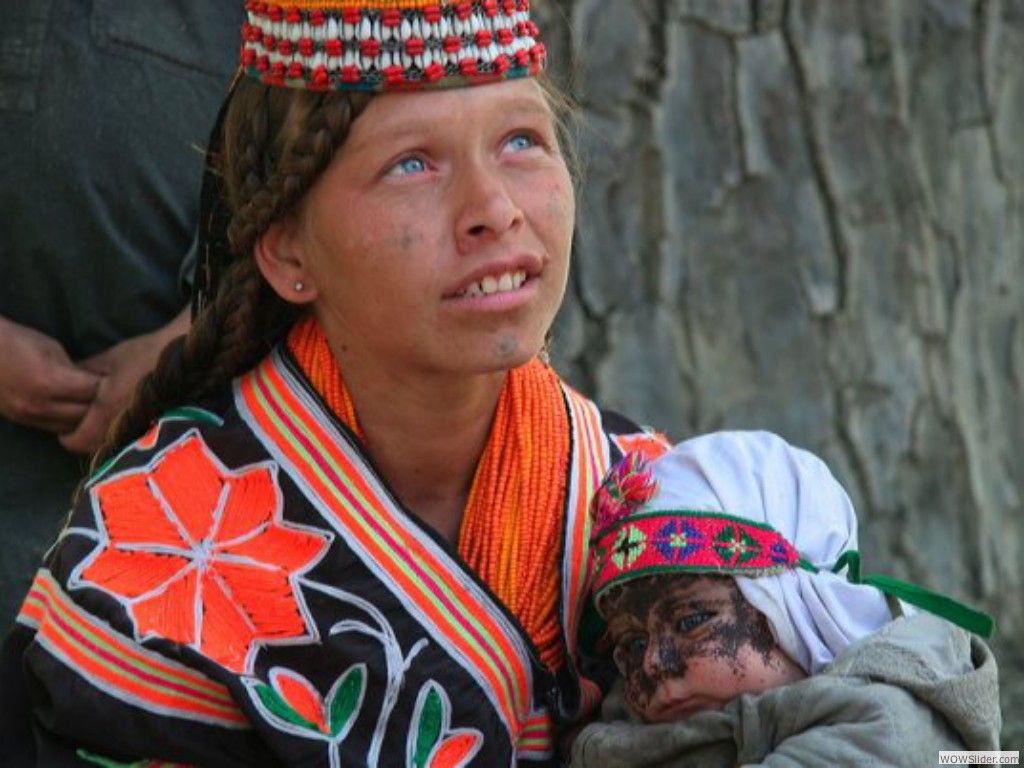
[(299, 286)]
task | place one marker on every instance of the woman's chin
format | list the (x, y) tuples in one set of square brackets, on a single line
[(498, 352)]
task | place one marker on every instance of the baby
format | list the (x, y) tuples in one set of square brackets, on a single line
[(728, 574)]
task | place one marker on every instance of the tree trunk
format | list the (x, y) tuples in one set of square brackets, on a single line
[(808, 217)]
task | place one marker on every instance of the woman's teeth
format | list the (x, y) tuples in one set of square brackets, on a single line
[(508, 281)]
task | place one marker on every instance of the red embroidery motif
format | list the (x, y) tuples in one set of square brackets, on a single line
[(650, 445), (199, 554)]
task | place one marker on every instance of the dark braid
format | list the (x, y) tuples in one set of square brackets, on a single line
[(276, 143)]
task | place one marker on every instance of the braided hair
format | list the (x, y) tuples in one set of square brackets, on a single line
[(277, 141)]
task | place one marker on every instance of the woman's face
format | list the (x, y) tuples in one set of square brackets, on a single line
[(689, 643), (438, 239)]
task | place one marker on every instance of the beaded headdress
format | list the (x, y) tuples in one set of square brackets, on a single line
[(668, 517), (375, 45)]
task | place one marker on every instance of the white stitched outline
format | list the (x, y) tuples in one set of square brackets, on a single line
[(334, 741), (446, 721), (76, 581), (396, 664), (325, 510)]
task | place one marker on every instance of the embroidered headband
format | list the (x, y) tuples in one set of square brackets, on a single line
[(375, 45), (632, 540), (641, 531)]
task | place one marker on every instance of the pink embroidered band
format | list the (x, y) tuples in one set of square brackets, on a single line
[(687, 541)]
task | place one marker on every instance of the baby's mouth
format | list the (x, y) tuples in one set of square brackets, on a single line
[(677, 709)]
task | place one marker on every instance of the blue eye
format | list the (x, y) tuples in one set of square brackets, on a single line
[(407, 166), (520, 142), (692, 621)]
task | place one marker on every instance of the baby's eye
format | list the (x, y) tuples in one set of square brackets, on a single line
[(408, 166), (692, 621), (520, 142)]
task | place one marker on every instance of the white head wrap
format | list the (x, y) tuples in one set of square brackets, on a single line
[(759, 476)]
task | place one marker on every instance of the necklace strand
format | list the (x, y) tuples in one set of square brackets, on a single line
[(513, 516)]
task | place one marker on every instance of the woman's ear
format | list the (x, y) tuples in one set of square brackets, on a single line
[(280, 256)]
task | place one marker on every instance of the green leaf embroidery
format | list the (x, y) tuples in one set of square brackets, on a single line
[(346, 699), (106, 762), (273, 701), (428, 732)]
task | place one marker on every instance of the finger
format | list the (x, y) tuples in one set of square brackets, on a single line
[(88, 436), (58, 418), (100, 364), (71, 384)]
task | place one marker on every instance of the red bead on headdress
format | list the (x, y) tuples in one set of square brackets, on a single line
[(374, 45)]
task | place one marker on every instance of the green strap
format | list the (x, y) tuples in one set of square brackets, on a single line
[(973, 621)]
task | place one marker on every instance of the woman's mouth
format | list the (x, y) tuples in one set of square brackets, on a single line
[(503, 283)]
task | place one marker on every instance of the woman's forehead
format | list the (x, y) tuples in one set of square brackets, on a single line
[(391, 113)]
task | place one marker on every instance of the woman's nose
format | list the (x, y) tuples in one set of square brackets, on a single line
[(488, 208)]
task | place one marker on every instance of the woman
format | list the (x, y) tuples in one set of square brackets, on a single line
[(345, 520)]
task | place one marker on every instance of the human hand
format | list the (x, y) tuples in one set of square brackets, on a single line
[(39, 385), (119, 368)]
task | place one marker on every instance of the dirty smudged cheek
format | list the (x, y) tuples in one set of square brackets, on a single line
[(405, 240), (742, 626), (671, 661), (640, 687), (642, 682)]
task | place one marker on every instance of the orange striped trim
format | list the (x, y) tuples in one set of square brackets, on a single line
[(590, 462), (120, 668), (437, 591), (537, 739)]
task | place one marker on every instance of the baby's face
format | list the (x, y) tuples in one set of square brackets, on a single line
[(689, 643)]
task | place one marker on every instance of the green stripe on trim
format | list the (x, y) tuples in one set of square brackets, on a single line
[(223, 700), (517, 701), (357, 517)]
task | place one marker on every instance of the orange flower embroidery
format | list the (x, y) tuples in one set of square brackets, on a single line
[(199, 554)]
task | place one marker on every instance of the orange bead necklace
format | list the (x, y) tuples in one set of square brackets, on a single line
[(513, 520)]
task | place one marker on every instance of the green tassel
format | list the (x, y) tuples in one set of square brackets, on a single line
[(963, 616)]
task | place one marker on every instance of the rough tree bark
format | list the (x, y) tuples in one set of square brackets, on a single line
[(808, 216)]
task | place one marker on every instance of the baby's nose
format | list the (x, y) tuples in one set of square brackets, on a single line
[(662, 658)]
